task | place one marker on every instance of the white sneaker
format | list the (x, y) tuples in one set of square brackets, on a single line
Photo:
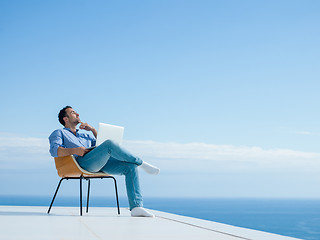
[(140, 212), (149, 168)]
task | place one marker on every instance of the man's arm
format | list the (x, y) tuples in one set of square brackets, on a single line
[(80, 151)]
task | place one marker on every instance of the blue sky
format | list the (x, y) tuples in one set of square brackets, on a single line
[(227, 91)]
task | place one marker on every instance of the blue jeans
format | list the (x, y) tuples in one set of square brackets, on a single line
[(110, 158)]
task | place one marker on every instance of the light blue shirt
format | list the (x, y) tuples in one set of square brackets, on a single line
[(66, 139)]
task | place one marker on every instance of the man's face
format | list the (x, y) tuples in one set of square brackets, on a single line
[(72, 116)]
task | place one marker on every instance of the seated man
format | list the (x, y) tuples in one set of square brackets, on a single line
[(108, 157)]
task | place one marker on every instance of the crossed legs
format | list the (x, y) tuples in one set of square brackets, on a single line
[(110, 158)]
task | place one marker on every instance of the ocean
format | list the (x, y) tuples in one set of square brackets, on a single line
[(298, 218)]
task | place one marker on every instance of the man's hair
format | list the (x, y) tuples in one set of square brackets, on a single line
[(63, 114)]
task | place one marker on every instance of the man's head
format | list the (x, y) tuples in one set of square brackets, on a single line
[(68, 116)]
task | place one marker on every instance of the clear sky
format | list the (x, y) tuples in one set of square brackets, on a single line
[(222, 95)]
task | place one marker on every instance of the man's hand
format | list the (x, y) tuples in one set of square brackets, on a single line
[(87, 127), (80, 151)]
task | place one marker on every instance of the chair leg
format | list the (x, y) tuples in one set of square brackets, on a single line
[(88, 195), (81, 195), (116, 189), (55, 194)]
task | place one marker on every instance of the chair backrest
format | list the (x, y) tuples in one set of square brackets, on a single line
[(68, 167)]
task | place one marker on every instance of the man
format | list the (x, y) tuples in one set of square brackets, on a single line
[(108, 157)]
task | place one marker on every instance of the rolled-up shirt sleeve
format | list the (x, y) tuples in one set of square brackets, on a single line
[(56, 141)]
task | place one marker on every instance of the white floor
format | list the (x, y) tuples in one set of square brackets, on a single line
[(64, 223)]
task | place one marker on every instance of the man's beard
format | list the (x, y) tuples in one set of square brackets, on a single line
[(76, 122)]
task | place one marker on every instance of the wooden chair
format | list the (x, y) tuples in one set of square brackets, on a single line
[(68, 168)]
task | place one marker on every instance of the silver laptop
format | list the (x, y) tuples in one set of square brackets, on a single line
[(112, 132)]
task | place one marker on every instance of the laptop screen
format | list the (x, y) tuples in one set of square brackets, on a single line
[(108, 131)]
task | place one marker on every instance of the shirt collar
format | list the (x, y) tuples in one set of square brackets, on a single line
[(77, 130)]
